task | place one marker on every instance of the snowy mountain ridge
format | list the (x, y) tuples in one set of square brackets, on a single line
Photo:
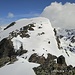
[(40, 35), (35, 35)]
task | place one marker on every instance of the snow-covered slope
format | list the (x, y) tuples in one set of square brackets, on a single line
[(21, 67), (36, 35), (41, 39)]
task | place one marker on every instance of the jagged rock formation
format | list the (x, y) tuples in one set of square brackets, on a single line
[(7, 52), (61, 60), (51, 67), (37, 59), (6, 48), (10, 25)]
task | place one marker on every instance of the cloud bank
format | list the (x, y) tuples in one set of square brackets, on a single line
[(60, 15)]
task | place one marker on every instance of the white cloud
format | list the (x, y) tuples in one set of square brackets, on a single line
[(61, 15), (10, 15)]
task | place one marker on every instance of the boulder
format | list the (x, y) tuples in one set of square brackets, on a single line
[(61, 60)]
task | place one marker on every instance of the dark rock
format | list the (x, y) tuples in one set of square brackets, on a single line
[(23, 31), (55, 32), (31, 25), (41, 33), (33, 50), (52, 68), (31, 29), (39, 27), (58, 42), (73, 39), (50, 57), (61, 36), (4, 60), (21, 51), (61, 60), (7, 52), (70, 67), (49, 42), (46, 67), (10, 25), (6, 48), (25, 35), (37, 59), (25, 27)]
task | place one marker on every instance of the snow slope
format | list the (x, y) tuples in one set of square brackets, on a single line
[(21, 67), (42, 40), (38, 39)]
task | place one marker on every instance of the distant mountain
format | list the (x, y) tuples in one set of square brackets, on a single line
[(67, 39), (32, 47)]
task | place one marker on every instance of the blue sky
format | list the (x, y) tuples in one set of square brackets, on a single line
[(11, 10)]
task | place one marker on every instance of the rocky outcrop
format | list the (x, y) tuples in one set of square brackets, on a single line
[(61, 60), (73, 39), (37, 59), (21, 51), (52, 67), (6, 48), (23, 32), (41, 59), (57, 38), (7, 52), (10, 25)]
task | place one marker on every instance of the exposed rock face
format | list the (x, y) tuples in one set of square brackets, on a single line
[(21, 51), (6, 48), (7, 52), (4, 60), (57, 38), (22, 32), (50, 57), (37, 59), (73, 39), (61, 60), (50, 67), (10, 25)]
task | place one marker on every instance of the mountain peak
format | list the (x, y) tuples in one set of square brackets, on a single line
[(34, 40)]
